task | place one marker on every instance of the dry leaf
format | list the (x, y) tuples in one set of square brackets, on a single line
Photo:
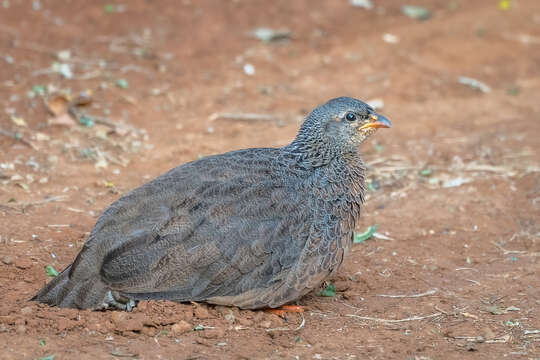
[(84, 98), (19, 121), (58, 105), (42, 137), (62, 120), (122, 130)]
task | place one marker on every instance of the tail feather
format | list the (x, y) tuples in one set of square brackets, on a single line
[(55, 290), (89, 293)]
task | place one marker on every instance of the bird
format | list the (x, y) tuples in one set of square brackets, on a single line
[(253, 228)]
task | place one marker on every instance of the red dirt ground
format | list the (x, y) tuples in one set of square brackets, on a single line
[(455, 183)]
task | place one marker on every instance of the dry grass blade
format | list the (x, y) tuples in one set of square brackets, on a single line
[(427, 293), (17, 137), (412, 318)]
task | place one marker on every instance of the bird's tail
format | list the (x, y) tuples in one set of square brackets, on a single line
[(62, 291)]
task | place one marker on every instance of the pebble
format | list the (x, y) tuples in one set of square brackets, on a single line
[(26, 310), (201, 312), (125, 322), (181, 327), (6, 259)]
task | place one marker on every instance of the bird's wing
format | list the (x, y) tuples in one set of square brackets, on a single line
[(216, 227)]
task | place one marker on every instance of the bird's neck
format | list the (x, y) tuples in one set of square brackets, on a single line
[(331, 169), (313, 154)]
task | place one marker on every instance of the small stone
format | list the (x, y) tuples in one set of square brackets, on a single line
[(26, 310), (118, 317), (244, 322), (181, 327), (265, 324), (249, 69), (201, 312), (6, 259), (132, 322)]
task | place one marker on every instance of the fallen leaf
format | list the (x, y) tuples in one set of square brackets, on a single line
[(474, 84), (496, 310), (86, 121), (358, 238), (42, 137), (269, 35), (19, 121), (38, 90), (416, 12), (51, 271), (50, 357), (366, 4), (122, 83), (329, 291), (84, 98), (62, 120), (58, 105)]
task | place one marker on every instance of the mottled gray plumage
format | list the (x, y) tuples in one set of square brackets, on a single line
[(251, 228)]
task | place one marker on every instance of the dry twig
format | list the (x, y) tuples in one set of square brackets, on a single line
[(289, 329)]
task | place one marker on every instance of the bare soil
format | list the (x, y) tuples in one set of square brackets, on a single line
[(453, 272)]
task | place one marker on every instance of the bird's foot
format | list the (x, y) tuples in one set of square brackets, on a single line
[(116, 301), (284, 309)]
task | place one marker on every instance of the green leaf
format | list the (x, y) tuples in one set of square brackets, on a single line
[(122, 83), (329, 291), (426, 172), (50, 357), (42, 342), (199, 327), (39, 90), (358, 238), (109, 8), (416, 12), (86, 121), (51, 271)]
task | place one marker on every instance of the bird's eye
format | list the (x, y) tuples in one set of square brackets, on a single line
[(350, 117)]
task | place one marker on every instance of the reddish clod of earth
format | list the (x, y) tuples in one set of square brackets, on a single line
[(453, 270)]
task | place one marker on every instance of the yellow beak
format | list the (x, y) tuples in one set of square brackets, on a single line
[(377, 121)]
